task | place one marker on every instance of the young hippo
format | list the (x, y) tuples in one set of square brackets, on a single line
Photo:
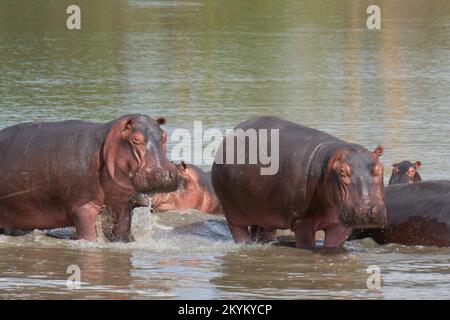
[(322, 183), (405, 172), (194, 192)]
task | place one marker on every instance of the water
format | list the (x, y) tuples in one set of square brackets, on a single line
[(222, 62)]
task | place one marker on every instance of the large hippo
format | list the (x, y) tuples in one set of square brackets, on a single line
[(58, 174), (405, 172), (194, 191), (418, 214), (323, 183)]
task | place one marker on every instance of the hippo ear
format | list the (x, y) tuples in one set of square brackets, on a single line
[(183, 165), (164, 142), (417, 164), (161, 121), (394, 168), (379, 151), (112, 142), (128, 125)]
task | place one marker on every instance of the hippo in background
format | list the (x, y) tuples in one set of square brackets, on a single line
[(60, 174), (323, 183), (194, 191), (418, 214), (405, 172)]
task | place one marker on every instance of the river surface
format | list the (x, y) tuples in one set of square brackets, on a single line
[(312, 62)]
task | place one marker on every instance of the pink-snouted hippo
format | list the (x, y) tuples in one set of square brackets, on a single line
[(194, 191), (323, 183), (58, 174)]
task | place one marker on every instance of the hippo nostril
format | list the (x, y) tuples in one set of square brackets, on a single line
[(171, 175)]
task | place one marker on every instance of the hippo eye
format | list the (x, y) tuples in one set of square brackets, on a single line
[(345, 171), (138, 139), (344, 174), (342, 170)]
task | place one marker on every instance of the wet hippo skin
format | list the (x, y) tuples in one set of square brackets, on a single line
[(58, 174), (323, 183)]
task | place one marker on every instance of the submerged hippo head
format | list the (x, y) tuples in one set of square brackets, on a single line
[(357, 186), (134, 155), (405, 172), (189, 194)]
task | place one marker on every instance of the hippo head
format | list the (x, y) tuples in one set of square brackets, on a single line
[(405, 172), (134, 155), (189, 193), (357, 179)]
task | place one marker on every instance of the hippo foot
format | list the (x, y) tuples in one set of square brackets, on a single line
[(240, 234)]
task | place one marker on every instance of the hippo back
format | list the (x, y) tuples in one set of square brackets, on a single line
[(29, 147)]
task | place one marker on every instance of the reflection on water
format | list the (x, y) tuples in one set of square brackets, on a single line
[(222, 62)]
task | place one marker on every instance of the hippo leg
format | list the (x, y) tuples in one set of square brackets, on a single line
[(240, 234), (305, 234), (259, 234), (254, 232), (336, 235), (84, 220), (269, 235), (122, 226)]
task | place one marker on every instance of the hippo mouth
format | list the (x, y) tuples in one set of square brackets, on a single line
[(155, 181), (157, 203), (368, 218)]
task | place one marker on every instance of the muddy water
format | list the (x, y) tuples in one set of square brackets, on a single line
[(221, 62), (193, 256)]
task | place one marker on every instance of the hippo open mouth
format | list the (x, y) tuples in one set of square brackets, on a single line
[(373, 217)]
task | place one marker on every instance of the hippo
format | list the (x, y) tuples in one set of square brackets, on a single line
[(405, 172), (59, 174), (323, 183), (418, 214), (194, 191)]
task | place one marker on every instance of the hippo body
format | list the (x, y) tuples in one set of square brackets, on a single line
[(194, 191), (59, 174), (418, 214), (314, 188)]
